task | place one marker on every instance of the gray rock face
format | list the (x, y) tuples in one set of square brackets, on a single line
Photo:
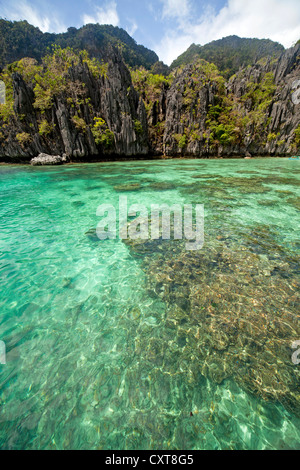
[(44, 159), (187, 107), (111, 96), (184, 112), (23, 96)]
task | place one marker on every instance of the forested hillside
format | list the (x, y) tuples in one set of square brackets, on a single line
[(231, 53), (19, 39)]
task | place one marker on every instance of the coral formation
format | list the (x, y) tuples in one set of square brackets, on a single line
[(232, 311)]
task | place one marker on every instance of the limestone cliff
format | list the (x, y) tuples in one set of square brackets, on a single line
[(86, 114), (257, 111), (63, 127)]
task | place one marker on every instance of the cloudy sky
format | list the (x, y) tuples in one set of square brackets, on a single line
[(167, 26)]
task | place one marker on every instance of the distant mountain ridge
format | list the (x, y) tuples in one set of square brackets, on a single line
[(19, 39), (231, 53)]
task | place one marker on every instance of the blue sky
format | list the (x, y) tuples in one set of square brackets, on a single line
[(167, 26)]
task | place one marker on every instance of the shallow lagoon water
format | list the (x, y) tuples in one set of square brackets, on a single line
[(83, 323)]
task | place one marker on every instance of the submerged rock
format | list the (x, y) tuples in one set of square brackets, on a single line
[(92, 235), (295, 202), (161, 186), (127, 187)]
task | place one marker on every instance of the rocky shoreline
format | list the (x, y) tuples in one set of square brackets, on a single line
[(117, 158)]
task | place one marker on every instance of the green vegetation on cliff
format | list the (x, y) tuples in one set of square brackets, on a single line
[(149, 85), (194, 108), (49, 81), (152, 87), (103, 136), (228, 118), (207, 110), (297, 138)]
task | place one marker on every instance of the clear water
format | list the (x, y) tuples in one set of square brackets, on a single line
[(80, 322)]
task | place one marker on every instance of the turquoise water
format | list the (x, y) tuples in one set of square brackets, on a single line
[(100, 352)]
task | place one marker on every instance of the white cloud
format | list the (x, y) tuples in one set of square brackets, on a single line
[(273, 19), (132, 28), (176, 9), (154, 11), (22, 10), (104, 15)]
